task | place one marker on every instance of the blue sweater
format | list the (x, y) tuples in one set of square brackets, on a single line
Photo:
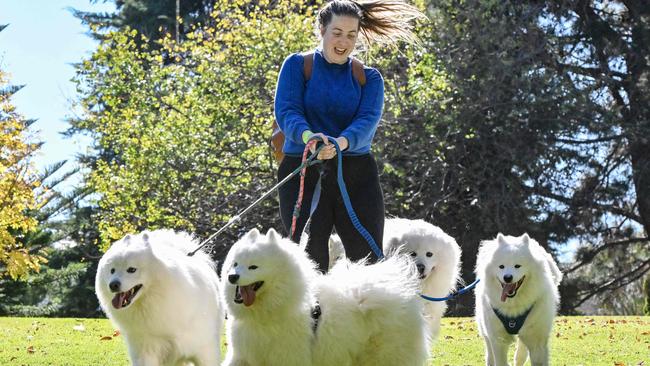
[(331, 102)]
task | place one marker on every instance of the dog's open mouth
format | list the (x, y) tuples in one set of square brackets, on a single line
[(510, 289), (123, 299), (426, 274), (246, 294)]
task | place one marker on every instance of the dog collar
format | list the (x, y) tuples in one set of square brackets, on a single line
[(512, 324)]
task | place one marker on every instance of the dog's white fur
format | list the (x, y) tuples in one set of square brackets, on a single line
[(176, 315), (516, 258), (371, 314), (437, 256)]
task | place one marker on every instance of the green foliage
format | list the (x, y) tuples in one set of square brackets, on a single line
[(183, 144), (520, 134)]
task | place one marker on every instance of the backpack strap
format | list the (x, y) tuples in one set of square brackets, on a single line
[(357, 68), (357, 71), (308, 64)]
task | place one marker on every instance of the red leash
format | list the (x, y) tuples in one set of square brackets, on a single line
[(296, 208)]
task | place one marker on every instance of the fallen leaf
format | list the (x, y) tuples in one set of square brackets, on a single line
[(105, 338), (30, 349), (116, 333)]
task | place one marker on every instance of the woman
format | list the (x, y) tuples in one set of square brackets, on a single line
[(333, 102)]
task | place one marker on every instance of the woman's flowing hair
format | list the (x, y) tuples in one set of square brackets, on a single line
[(380, 21)]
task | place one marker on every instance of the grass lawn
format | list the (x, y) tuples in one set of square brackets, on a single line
[(614, 341)]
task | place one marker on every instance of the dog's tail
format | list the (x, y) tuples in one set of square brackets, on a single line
[(390, 283), (386, 295)]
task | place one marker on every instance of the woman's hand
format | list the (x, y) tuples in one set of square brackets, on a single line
[(329, 150)]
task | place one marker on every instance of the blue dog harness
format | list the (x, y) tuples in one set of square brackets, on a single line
[(512, 325)]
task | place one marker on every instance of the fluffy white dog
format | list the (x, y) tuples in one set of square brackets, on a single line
[(517, 295), (165, 303), (436, 255), (281, 312)]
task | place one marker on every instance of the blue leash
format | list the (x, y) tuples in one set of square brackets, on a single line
[(453, 294), (366, 235), (348, 205)]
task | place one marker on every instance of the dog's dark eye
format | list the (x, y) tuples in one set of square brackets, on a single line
[(252, 267), (112, 270), (502, 266), (414, 254), (429, 254), (234, 264), (517, 265), (131, 270)]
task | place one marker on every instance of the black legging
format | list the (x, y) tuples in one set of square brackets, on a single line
[(362, 182)]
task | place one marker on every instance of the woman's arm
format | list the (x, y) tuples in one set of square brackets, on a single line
[(362, 129), (289, 107)]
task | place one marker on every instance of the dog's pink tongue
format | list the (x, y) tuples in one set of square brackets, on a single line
[(118, 300), (247, 294), (507, 288)]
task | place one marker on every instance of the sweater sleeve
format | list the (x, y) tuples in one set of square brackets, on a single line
[(288, 106), (364, 125)]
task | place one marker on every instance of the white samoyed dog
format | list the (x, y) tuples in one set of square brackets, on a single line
[(165, 303), (282, 312), (437, 257), (518, 294)]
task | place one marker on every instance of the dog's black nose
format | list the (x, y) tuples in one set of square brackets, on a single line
[(507, 278), (115, 286), (233, 278), (420, 268)]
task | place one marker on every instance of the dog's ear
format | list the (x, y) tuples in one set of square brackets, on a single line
[(501, 239), (272, 236), (146, 240), (126, 240), (526, 239), (252, 235)]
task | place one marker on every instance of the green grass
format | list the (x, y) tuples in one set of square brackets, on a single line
[(575, 341)]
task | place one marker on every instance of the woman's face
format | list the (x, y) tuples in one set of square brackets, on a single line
[(339, 38)]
